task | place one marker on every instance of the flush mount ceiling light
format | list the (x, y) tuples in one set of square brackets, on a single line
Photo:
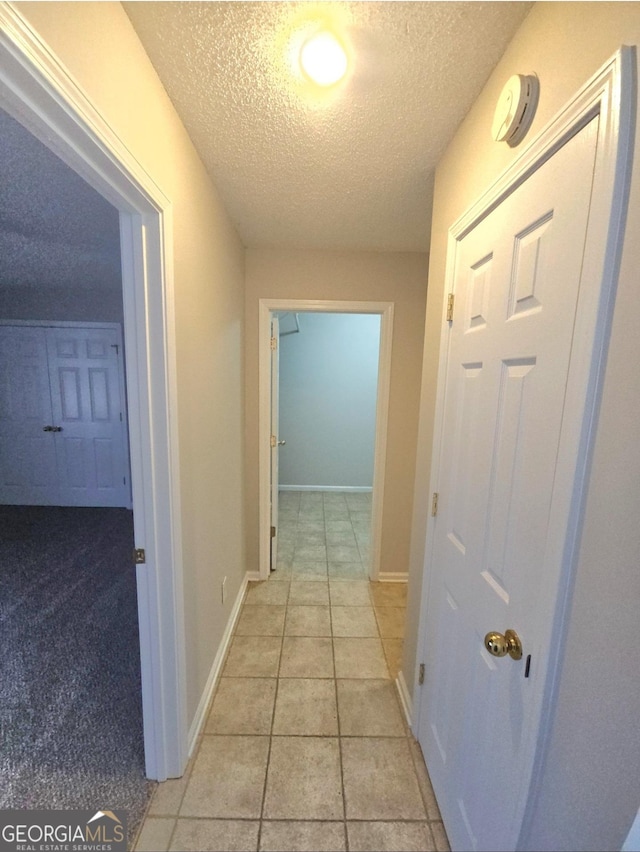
[(323, 59)]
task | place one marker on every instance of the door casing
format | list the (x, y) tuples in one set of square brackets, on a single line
[(610, 96), (265, 308), (37, 91), (274, 430)]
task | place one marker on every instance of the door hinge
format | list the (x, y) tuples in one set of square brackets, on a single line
[(273, 532), (450, 301), (139, 556), (421, 674), (273, 441), (434, 504), (274, 343)]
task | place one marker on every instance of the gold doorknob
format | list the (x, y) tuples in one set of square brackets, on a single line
[(499, 645)]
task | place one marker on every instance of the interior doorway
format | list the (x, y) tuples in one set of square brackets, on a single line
[(70, 684), (324, 394), (38, 92), (269, 392)]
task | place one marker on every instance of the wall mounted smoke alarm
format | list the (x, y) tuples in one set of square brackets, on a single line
[(515, 109)]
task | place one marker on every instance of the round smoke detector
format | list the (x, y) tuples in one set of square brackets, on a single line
[(515, 109)]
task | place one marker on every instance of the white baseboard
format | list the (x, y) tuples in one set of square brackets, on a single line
[(405, 698), (393, 577), (253, 576), (353, 489), (212, 681)]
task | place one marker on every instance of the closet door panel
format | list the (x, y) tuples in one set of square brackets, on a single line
[(88, 407), (28, 464)]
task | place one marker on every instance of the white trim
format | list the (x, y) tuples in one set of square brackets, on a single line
[(350, 489), (632, 842), (253, 576), (393, 576), (39, 92), (405, 697), (212, 681), (609, 95), (265, 308)]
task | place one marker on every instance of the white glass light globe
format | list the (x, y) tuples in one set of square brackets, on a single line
[(323, 59)]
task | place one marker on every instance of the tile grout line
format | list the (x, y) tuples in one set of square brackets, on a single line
[(335, 687), (344, 795), (188, 772), (273, 716)]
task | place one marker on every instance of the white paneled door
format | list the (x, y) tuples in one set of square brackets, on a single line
[(63, 437), (28, 465), (499, 524)]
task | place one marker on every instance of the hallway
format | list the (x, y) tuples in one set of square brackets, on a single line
[(306, 746)]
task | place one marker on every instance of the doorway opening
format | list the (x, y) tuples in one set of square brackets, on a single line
[(71, 655), (269, 310), (38, 92), (323, 394)]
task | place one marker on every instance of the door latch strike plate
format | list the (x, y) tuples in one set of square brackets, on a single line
[(139, 556), (450, 301), (434, 504), (273, 532)]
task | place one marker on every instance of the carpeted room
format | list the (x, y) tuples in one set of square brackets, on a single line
[(70, 709), (70, 670)]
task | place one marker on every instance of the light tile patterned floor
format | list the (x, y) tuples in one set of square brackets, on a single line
[(305, 746)]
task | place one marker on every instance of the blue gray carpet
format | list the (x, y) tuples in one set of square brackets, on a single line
[(70, 708)]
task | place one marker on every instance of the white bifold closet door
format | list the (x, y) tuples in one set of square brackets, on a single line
[(63, 436)]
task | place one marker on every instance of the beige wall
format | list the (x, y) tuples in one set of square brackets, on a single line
[(589, 790), (99, 47), (350, 276)]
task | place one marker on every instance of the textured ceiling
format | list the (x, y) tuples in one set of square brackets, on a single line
[(351, 168), (55, 230)]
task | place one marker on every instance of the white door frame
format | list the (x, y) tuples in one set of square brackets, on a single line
[(274, 430), (610, 95), (385, 311), (39, 92)]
